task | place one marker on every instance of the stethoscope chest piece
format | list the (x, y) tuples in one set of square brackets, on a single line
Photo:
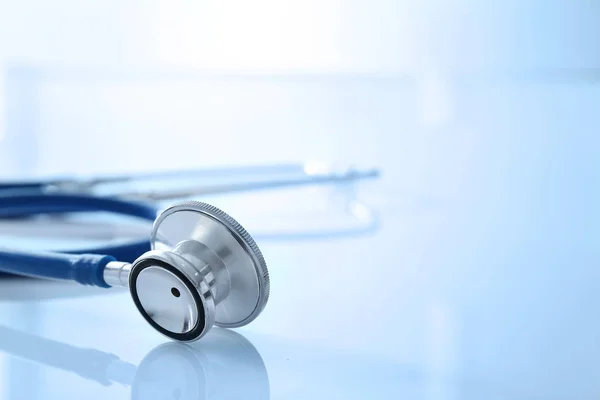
[(204, 269)]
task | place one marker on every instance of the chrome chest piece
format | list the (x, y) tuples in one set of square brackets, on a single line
[(204, 269)]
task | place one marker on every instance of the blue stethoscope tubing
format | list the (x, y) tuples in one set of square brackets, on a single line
[(85, 266)]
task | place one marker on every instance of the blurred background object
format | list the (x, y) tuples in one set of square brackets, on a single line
[(83, 84)]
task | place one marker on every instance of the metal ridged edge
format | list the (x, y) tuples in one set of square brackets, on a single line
[(244, 235)]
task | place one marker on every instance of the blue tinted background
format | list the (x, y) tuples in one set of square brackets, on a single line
[(482, 281)]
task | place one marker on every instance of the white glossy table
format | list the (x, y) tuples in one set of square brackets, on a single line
[(480, 280)]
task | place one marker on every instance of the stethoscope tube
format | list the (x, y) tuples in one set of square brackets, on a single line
[(22, 187), (33, 204), (86, 269), (83, 266)]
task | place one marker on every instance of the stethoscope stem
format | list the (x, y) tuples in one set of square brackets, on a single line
[(86, 269), (116, 273)]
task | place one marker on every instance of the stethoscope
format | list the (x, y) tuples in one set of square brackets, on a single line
[(200, 268)]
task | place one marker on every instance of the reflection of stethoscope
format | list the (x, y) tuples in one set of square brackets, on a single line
[(171, 370), (200, 268)]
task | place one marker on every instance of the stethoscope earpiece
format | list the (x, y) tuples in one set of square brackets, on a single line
[(204, 269)]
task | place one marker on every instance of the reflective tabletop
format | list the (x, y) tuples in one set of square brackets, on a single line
[(468, 270), (473, 275)]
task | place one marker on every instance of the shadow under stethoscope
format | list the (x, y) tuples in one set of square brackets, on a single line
[(225, 365)]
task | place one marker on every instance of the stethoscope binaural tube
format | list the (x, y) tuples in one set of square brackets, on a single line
[(199, 268)]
